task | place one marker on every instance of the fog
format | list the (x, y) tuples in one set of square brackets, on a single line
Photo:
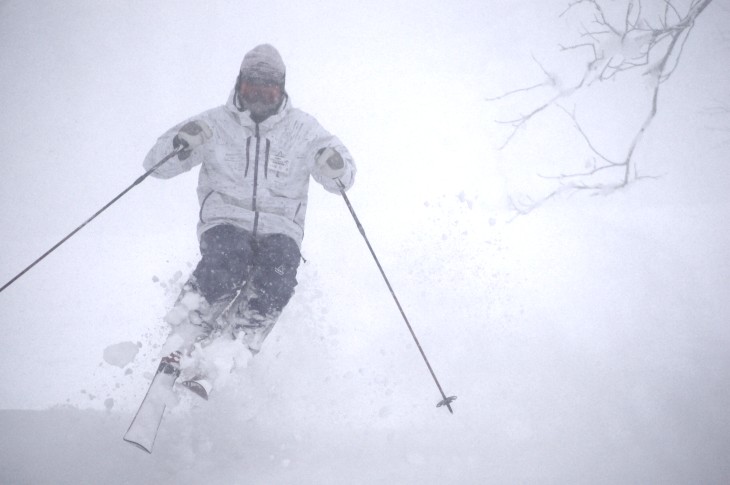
[(586, 341)]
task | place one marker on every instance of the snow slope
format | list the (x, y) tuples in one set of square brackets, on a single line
[(579, 381), (586, 342)]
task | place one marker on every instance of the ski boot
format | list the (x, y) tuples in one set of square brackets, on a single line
[(249, 326), (195, 323)]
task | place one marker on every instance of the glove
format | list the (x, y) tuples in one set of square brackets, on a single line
[(191, 135), (330, 163)]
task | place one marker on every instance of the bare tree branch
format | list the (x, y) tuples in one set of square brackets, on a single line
[(636, 38)]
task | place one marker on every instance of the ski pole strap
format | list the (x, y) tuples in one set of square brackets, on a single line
[(445, 401)]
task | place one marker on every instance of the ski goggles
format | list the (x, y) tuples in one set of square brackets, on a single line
[(253, 90)]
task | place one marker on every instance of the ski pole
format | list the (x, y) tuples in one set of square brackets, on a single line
[(136, 182), (445, 401)]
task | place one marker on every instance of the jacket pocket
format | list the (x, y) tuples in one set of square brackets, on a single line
[(202, 205), (297, 219)]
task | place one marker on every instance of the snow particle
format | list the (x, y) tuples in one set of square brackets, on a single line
[(121, 354)]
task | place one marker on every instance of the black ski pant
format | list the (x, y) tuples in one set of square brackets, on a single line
[(232, 256)]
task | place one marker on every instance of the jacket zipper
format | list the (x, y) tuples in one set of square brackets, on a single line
[(248, 157), (256, 183), (266, 159)]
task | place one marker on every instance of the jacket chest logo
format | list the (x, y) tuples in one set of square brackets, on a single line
[(279, 164)]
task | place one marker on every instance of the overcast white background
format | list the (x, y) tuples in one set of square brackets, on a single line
[(587, 342)]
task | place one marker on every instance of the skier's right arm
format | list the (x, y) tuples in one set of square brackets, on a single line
[(184, 137)]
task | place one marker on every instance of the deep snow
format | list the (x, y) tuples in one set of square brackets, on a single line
[(586, 342)]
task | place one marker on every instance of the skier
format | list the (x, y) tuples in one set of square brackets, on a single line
[(257, 153)]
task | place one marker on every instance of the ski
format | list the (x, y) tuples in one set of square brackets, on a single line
[(143, 430), (190, 332)]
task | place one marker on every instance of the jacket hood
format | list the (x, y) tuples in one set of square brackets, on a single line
[(265, 63)]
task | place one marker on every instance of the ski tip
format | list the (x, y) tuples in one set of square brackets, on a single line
[(447, 402), (141, 447)]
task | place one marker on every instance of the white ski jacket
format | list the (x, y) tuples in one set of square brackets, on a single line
[(255, 175)]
